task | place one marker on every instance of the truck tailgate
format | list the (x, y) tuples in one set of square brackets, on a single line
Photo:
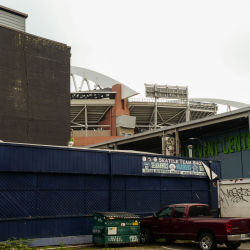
[(240, 225)]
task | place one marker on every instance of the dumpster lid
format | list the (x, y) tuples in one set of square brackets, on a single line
[(118, 215)]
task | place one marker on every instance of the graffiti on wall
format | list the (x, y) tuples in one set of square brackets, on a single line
[(234, 195)]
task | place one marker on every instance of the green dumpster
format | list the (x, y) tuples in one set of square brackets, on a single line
[(115, 227)]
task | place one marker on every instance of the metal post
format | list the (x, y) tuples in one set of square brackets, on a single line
[(111, 184), (188, 113), (115, 146), (155, 112), (86, 121), (155, 106), (87, 83), (177, 142), (83, 79), (190, 151), (188, 109), (74, 81), (210, 183), (249, 121), (163, 145)]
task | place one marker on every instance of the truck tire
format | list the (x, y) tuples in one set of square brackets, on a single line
[(146, 236), (207, 242), (233, 244)]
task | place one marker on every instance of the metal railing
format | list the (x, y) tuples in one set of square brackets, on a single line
[(201, 105), (193, 105), (158, 100)]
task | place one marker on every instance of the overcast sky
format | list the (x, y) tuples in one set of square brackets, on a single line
[(204, 45)]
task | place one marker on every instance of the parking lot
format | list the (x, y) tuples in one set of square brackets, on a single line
[(162, 245)]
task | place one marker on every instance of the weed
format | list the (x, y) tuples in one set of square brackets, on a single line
[(16, 244), (160, 240), (61, 242)]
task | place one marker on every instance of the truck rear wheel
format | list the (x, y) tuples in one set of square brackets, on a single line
[(146, 236), (207, 242), (233, 244)]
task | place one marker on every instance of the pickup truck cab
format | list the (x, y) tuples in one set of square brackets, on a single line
[(195, 222)]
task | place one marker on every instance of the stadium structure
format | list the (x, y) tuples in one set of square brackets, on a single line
[(109, 110)]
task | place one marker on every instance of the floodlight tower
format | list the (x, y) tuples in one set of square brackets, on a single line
[(151, 91), (167, 92)]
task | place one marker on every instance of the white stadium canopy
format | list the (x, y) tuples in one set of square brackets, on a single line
[(101, 80)]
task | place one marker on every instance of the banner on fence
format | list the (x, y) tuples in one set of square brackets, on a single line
[(169, 166)]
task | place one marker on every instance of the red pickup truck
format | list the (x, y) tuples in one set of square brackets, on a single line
[(195, 222)]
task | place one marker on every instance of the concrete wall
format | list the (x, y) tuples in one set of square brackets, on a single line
[(93, 137), (85, 141), (90, 133)]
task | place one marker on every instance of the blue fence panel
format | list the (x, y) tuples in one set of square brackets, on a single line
[(200, 184), (216, 168), (60, 227), (133, 191), (143, 183), (60, 202), (42, 228), (176, 197), (97, 201), (56, 195), (61, 181), (119, 183), (119, 200), (17, 204), (20, 228), (50, 191), (201, 197), (141, 201), (127, 164), (171, 183), (36, 158), (97, 182), (200, 191), (17, 181)]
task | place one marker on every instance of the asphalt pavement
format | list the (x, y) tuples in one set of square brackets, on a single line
[(192, 245), (162, 245)]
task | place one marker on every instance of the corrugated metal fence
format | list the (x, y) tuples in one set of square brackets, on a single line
[(52, 191)]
